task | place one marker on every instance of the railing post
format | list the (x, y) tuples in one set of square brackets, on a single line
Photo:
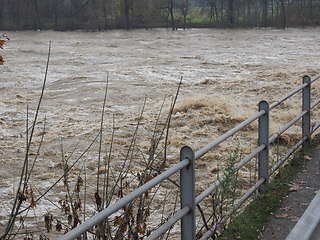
[(306, 106), (187, 194), (264, 139)]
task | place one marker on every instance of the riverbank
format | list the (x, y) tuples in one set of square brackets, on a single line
[(274, 215)]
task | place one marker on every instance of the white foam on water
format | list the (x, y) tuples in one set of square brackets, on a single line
[(225, 74)]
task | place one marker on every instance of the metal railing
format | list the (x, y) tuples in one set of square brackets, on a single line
[(186, 166), (307, 226)]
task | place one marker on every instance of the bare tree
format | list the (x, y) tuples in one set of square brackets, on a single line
[(212, 4), (127, 11), (230, 13), (105, 14), (170, 8), (265, 13), (282, 14), (184, 8)]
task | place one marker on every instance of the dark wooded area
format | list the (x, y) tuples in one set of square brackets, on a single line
[(110, 14)]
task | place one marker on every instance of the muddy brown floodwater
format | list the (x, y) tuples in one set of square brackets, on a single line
[(225, 75)]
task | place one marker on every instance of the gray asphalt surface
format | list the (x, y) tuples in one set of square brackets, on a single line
[(306, 185)]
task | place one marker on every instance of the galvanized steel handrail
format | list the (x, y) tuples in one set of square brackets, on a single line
[(254, 188), (287, 126), (315, 103), (308, 223), (99, 217), (186, 167), (315, 78), (315, 127), (276, 166), (290, 94), (167, 225), (287, 155), (217, 183), (228, 134)]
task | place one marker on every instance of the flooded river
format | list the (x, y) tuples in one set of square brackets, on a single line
[(225, 73)]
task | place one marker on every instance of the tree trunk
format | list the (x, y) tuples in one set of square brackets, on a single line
[(283, 14), (272, 11), (1, 12), (230, 13), (38, 16), (171, 14), (249, 14), (127, 7), (265, 13), (105, 15), (221, 11), (185, 6)]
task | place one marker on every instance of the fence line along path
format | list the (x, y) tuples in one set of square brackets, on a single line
[(188, 156)]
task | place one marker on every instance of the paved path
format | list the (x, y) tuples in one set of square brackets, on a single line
[(307, 183), (308, 225)]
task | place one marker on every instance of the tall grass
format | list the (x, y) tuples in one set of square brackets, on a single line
[(74, 205), (22, 192), (80, 200)]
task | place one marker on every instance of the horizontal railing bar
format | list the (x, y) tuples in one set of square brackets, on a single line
[(315, 128), (276, 103), (217, 183), (99, 217), (288, 154), (104, 214), (315, 78), (315, 103), (308, 223), (228, 134), (236, 206), (168, 224), (290, 94), (285, 128)]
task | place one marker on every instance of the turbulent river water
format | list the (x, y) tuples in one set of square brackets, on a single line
[(225, 73)]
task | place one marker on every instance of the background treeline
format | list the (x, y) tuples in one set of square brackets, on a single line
[(109, 14)]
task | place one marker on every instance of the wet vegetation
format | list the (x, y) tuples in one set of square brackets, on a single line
[(249, 223), (80, 198), (111, 14)]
